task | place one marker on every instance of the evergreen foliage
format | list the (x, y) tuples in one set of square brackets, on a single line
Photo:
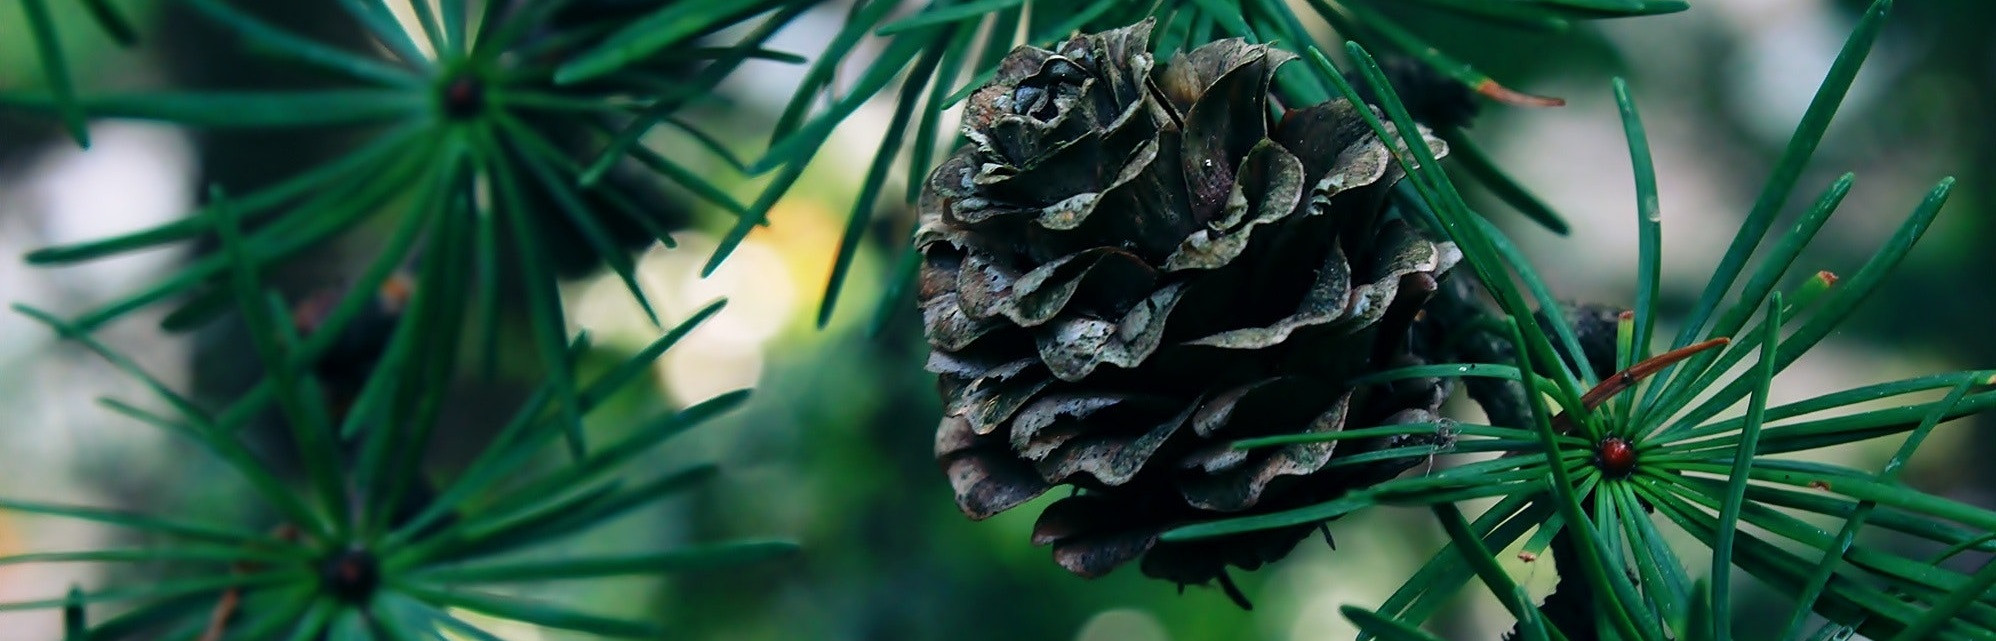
[(504, 146)]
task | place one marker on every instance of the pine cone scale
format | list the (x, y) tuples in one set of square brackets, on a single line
[(1086, 538), (986, 481), (1239, 488), (1269, 185), (1217, 128)]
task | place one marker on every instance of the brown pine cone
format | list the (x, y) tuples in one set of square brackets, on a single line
[(1132, 267)]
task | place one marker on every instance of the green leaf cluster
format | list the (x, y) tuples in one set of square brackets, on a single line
[(366, 548), (1598, 462), (491, 126)]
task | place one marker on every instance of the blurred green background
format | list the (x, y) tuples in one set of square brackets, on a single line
[(834, 450)]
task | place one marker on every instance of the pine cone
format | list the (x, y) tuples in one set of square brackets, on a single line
[(1130, 268)]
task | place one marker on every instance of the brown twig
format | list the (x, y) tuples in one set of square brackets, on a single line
[(1500, 93), (1623, 380), (218, 619)]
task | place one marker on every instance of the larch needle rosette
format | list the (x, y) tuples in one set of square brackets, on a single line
[(368, 544), (462, 131)]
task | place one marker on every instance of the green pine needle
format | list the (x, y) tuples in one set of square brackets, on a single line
[(1788, 171), (1743, 457), (1484, 563), (55, 69)]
